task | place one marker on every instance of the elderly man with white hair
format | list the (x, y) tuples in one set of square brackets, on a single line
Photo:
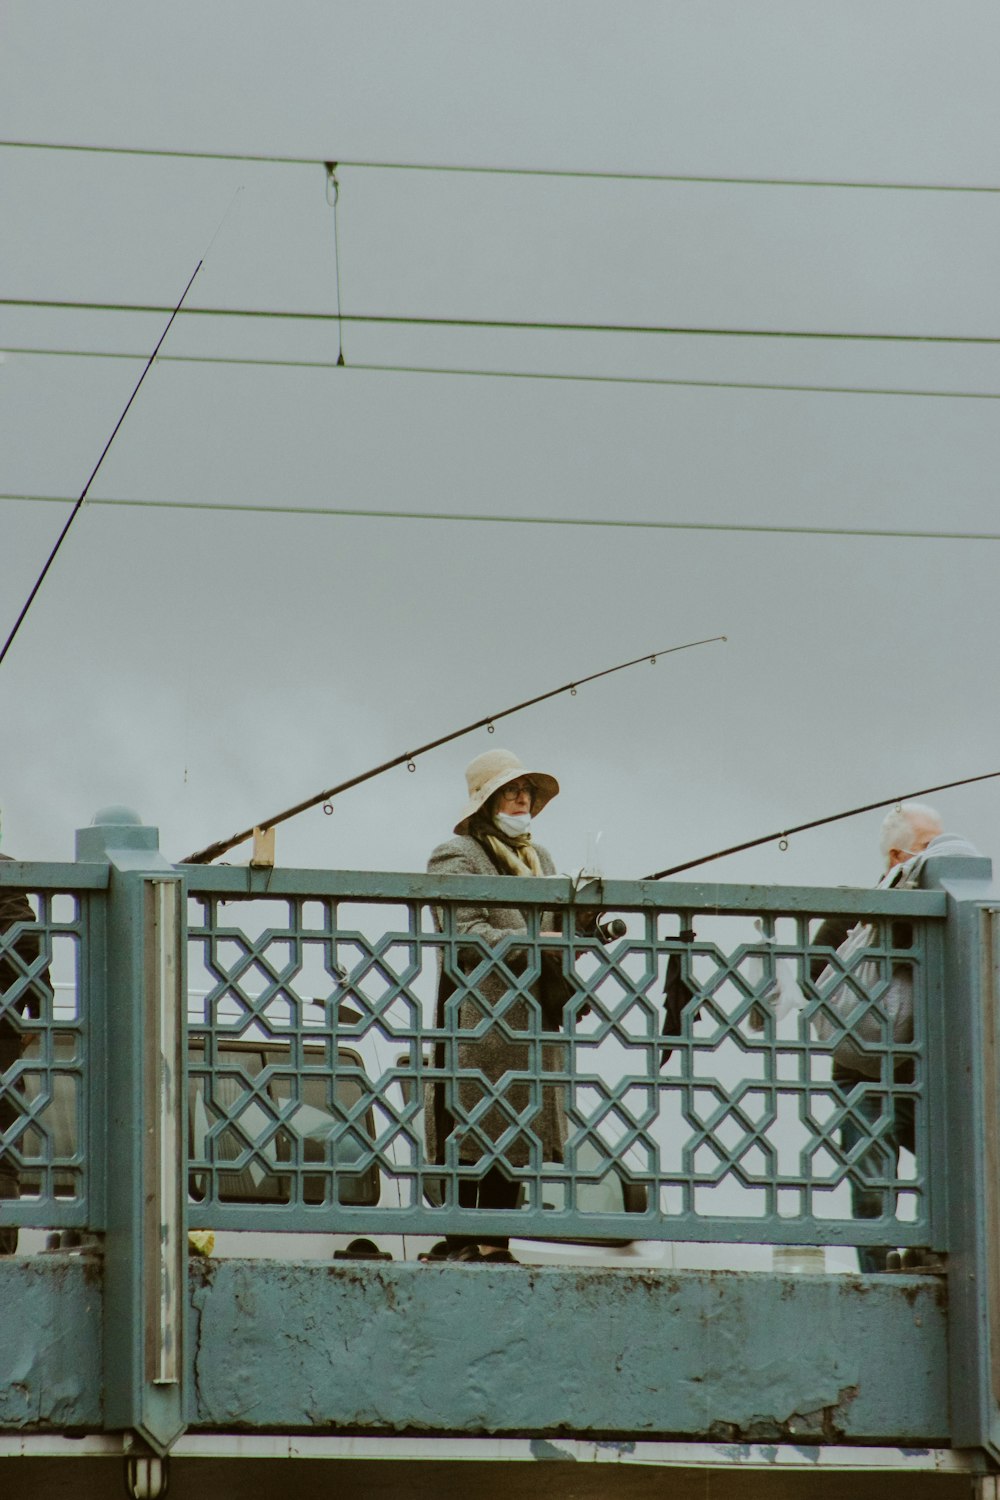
[(908, 829)]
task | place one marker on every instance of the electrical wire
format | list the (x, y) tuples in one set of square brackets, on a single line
[(471, 169), (407, 320), (550, 375), (357, 513)]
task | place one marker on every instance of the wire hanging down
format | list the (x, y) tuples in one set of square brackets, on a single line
[(408, 757), (783, 834), (93, 475), (333, 198)]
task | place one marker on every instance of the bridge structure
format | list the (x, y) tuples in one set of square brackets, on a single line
[(254, 1054)]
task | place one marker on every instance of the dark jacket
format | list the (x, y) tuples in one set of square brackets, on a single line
[(495, 1051), (14, 908)]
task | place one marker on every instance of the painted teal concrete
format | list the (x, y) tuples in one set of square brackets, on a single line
[(436, 1349), (123, 1034), (516, 1350), (51, 1343), (507, 1349)]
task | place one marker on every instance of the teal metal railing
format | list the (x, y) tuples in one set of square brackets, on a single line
[(263, 1049), (50, 1014), (316, 1056)]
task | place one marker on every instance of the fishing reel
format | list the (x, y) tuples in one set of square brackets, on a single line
[(609, 929)]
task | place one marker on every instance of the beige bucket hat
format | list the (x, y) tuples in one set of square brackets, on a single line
[(494, 769)]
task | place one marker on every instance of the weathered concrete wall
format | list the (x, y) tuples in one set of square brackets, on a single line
[(397, 1347), (477, 1349), (50, 1343)]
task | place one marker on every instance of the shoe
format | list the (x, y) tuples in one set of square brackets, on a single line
[(924, 1262), (472, 1254)]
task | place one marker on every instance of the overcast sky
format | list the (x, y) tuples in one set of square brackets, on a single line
[(209, 667)]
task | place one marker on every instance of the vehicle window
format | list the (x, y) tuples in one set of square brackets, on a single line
[(322, 1095)]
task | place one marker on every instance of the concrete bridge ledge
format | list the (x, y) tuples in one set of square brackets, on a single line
[(390, 1348)]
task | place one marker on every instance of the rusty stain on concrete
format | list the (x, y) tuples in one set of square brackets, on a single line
[(827, 1424)]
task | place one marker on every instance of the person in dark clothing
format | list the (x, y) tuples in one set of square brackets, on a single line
[(492, 837), (16, 1000)]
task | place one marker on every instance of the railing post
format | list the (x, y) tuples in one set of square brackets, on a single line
[(144, 1069), (971, 1040)]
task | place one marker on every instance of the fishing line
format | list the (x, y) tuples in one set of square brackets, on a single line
[(783, 834), (409, 757), (104, 451)]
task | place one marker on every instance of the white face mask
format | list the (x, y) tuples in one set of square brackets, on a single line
[(512, 824)]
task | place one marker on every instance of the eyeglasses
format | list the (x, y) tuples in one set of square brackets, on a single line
[(516, 789)]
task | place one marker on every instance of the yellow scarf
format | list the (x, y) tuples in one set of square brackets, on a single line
[(515, 855)]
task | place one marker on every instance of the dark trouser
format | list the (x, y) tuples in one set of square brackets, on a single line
[(881, 1160), (492, 1191), (10, 1053)]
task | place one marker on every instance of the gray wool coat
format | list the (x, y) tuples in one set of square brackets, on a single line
[(495, 1052)]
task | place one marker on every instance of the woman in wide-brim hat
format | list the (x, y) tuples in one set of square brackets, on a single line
[(493, 837)]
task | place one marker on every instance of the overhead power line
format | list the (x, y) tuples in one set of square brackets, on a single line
[(552, 375), (480, 170), (507, 324), (750, 528)]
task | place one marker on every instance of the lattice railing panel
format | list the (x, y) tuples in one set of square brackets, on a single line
[(44, 1059), (319, 1056)]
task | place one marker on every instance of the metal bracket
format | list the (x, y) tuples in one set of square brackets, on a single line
[(263, 848)]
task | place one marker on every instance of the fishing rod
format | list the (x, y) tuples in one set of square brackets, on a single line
[(78, 506), (104, 453), (783, 835), (408, 758)]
